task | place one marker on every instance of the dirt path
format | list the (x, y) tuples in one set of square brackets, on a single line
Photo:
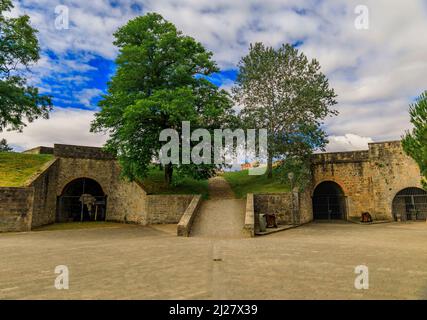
[(220, 189), (222, 216)]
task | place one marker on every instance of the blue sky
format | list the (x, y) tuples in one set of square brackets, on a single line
[(83, 87), (376, 72), (94, 83), (66, 94)]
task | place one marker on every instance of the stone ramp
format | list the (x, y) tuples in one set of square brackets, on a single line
[(219, 189), (222, 216), (220, 219)]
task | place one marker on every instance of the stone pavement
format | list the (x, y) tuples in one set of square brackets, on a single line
[(221, 216), (314, 261)]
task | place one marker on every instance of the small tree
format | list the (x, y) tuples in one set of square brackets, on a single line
[(415, 142), (18, 49), (285, 93), (4, 147)]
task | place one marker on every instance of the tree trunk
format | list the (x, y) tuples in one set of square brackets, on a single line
[(168, 174), (270, 167)]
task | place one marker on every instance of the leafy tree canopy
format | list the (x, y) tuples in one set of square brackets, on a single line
[(18, 50), (158, 84), (285, 93), (415, 142)]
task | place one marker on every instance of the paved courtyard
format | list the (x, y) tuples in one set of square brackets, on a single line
[(315, 261)]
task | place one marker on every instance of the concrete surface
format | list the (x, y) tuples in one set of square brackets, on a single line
[(314, 261)]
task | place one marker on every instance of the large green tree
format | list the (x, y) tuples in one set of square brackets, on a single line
[(160, 82), (415, 142), (282, 91), (18, 50)]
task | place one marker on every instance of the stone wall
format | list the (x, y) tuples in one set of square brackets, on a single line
[(81, 152), (279, 204), (40, 150), (391, 171), (305, 206), (36, 205), (351, 171), (166, 208), (369, 179), (44, 185), (16, 205), (126, 201), (282, 205)]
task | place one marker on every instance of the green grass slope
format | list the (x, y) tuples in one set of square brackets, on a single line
[(154, 183), (242, 183), (17, 168)]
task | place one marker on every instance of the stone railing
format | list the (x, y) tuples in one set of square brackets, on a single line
[(249, 227), (187, 219)]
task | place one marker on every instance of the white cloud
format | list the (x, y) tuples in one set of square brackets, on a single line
[(348, 142), (85, 96), (68, 126)]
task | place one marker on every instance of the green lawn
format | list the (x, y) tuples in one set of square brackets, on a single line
[(17, 168), (77, 226), (155, 184), (242, 183)]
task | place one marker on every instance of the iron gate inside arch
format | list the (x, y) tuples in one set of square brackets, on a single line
[(82, 200), (329, 202), (410, 204)]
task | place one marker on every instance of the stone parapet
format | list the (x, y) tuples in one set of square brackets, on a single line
[(81, 152), (249, 227), (340, 157), (187, 219)]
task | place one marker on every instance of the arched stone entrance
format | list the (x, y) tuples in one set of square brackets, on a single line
[(410, 204), (82, 199), (329, 202)]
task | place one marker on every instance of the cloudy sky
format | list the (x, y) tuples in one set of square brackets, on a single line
[(376, 72)]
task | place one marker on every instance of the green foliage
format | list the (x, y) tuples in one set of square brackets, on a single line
[(415, 142), (18, 49), (242, 183), (4, 147), (154, 183), (17, 168), (300, 170), (158, 84), (285, 93)]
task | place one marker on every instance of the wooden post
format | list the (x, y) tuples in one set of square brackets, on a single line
[(81, 213)]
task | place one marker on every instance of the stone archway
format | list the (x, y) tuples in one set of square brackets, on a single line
[(82, 199), (329, 202), (410, 204)]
